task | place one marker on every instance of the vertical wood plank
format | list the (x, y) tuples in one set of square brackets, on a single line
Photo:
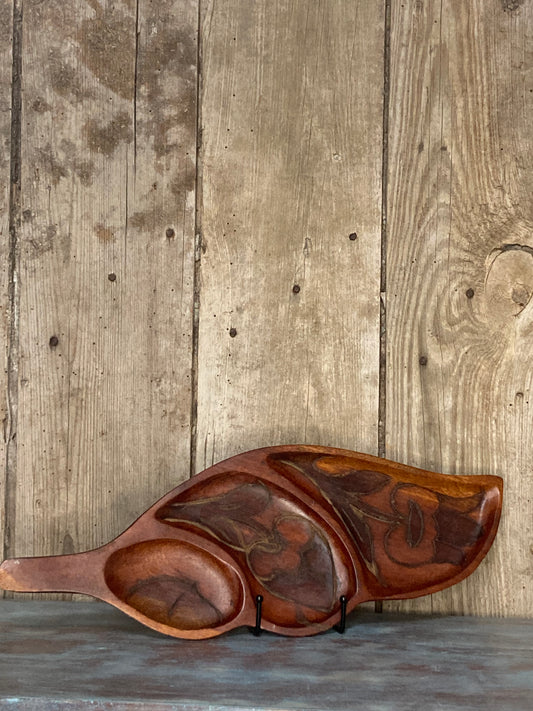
[(460, 268), (291, 166), (107, 260), (6, 269)]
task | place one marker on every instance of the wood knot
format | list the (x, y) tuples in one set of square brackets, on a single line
[(509, 281)]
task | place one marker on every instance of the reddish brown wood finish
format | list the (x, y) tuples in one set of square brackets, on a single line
[(300, 525)]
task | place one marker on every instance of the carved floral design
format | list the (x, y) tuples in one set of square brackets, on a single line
[(413, 525), (284, 550)]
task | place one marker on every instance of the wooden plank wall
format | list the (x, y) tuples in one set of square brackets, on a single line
[(460, 268), (237, 224), (6, 251), (291, 167), (106, 268)]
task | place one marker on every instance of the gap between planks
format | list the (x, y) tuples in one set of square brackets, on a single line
[(13, 280), (382, 387), (197, 249)]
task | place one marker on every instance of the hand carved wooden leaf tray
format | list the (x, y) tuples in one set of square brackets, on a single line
[(299, 525)]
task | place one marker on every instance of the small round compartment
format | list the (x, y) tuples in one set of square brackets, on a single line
[(175, 583)]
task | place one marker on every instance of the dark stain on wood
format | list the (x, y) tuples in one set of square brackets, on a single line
[(68, 544), (62, 163), (151, 219), (40, 106), (105, 139), (512, 5), (184, 179), (165, 51), (64, 78), (108, 49), (104, 233), (53, 167), (140, 219), (84, 169), (47, 240), (42, 243)]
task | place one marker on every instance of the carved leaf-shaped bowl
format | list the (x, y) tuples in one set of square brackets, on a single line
[(299, 525)]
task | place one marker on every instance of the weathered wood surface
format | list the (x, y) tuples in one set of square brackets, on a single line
[(460, 268), (6, 263), (60, 655), (291, 165), (106, 271)]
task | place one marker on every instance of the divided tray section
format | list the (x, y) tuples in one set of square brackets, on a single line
[(175, 584), (284, 549)]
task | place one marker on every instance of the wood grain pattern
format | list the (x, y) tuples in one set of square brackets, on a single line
[(291, 160), (304, 529), (108, 177), (7, 325), (460, 267)]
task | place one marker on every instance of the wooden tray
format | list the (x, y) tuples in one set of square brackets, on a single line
[(301, 526)]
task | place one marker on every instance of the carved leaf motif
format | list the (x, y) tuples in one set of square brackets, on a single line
[(232, 517), (285, 552), (345, 488), (295, 563), (421, 527), (457, 530), (360, 532), (431, 527)]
